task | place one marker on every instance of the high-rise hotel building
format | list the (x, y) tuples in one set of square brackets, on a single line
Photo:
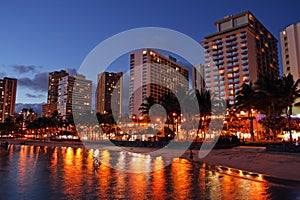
[(8, 91), (74, 96), (67, 94), (109, 83), (240, 50), (290, 50), (152, 74)]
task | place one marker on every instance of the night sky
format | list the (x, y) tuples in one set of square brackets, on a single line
[(37, 37)]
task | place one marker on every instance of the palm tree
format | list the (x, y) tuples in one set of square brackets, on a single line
[(145, 107), (246, 100), (172, 107), (270, 97), (205, 108), (291, 93)]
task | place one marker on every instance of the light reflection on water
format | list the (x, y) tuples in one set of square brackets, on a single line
[(28, 172)]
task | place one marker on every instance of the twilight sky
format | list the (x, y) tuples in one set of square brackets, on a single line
[(37, 37)]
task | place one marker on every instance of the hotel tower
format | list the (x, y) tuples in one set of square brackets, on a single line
[(240, 50), (152, 74)]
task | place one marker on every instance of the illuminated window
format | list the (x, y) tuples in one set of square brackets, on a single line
[(284, 32), (214, 47), (251, 17), (144, 52), (266, 44)]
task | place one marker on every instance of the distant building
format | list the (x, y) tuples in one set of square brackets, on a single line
[(148, 66), (290, 50), (198, 81), (74, 95), (240, 50), (81, 95), (8, 91), (48, 109), (107, 84), (53, 82), (28, 115)]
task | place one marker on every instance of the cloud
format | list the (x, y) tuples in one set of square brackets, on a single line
[(35, 96), (38, 83), (22, 69)]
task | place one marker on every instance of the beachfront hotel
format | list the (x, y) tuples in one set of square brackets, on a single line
[(240, 50), (109, 83), (67, 94), (290, 50), (74, 96), (8, 91), (290, 53), (152, 74)]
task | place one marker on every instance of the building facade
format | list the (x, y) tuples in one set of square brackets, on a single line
[(8, 91), (240, 51), (81, 95), (53, 81), (48, 109), (152, 74), (290, 50), (198, 77), (74, 96), (109, 84)]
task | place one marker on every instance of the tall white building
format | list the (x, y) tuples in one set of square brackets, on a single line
[(74, 95), (290, 50)]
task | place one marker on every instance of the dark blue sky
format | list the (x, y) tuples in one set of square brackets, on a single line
[(52, 35)]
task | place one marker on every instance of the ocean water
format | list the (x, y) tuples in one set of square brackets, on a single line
[(29, 172)]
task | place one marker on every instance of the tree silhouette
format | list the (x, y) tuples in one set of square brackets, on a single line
[(246, 100)]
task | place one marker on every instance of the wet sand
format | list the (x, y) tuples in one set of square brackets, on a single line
[(254, 159), (251, 159)]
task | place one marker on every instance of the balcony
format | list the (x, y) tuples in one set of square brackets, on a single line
[(229, 44), (218, 42), (244, 51), (231, 38), (245, 62), (231, 49), (216, 58), (217, 52)]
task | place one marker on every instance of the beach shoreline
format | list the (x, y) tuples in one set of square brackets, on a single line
[(251, 159)]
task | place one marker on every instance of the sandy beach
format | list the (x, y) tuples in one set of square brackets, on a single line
[(252, 159)]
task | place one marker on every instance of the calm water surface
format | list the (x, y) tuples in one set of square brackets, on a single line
[(28, 172)]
